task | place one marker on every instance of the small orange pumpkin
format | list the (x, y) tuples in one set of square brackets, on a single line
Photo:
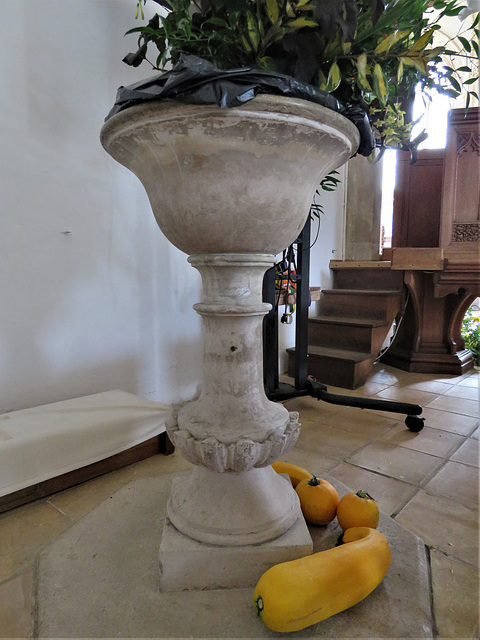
[(357, 510), (318, 500)]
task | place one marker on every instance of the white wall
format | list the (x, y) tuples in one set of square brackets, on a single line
[(328, 245), (92, 296)]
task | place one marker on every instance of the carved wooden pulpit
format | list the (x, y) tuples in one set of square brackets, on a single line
[(436, 242)]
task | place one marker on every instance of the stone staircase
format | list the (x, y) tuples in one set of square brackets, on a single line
[(355, 318)]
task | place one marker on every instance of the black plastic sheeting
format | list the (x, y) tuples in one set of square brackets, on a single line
[(197, 81)]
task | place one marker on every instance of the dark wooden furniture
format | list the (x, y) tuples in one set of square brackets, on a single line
[(436, 242), (305, 383), (354, 319)]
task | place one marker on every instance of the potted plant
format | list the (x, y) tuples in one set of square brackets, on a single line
[(471, 333), (372, 53)]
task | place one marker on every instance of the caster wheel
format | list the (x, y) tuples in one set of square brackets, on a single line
[(414, 423)]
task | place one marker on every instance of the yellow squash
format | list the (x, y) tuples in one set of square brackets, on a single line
[(294, 595), (318, 500), (357, 510), (296, 474)]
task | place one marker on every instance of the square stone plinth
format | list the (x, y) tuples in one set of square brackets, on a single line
[(188, 564), (100, 579)]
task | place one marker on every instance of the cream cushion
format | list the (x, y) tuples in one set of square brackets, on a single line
[(44, 442)]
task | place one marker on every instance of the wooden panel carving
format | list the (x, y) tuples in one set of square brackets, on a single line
[(467, 172), (442, 284), (461, 187), (418, 199), (466, 232), (468, 142)]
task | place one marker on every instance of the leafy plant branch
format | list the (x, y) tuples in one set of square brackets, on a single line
[(371, 52)]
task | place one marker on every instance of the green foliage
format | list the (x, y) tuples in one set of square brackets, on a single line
[(329, 183), (471, 332), (372, 52)]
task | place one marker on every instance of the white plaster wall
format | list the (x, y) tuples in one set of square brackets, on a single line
[(92, 296), (329, 245)]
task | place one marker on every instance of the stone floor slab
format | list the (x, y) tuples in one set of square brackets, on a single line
[(101, 579)]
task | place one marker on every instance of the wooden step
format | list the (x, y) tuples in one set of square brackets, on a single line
[(364, 276), (356, 334), (337, 367), (354, 321), (380, 304)]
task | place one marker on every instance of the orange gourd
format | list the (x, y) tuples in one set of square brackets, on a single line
[(295, 473), (318, 500), (357, 510)]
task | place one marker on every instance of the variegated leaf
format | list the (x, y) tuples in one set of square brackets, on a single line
[(387, 43), (400, 71), (362, 72), (334, 78), (420, 64), (298, 23), (253, 33), (423, 41), (379, 83), (246, 43), (273, 11)]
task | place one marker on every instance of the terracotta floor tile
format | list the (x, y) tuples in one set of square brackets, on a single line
[(456, 481), (433, 441), (396, 462), (448, 421), (452, 379), (315, 463), (468, 453), (443, 378), (330, 442), (4, 435), (16, 607), (455, 596), (440, 522), (405, 394), (370, 388), (310, 408), (24, 532), (386, 375), (455, 405), (363, 422), (464, 392), (398, 417), (382, 367), (432, 386), (363, 449), (471, 381), (78, 501), (390, 494), (160, 464)]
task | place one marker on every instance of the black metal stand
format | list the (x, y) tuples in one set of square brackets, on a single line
[(306, 385)]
